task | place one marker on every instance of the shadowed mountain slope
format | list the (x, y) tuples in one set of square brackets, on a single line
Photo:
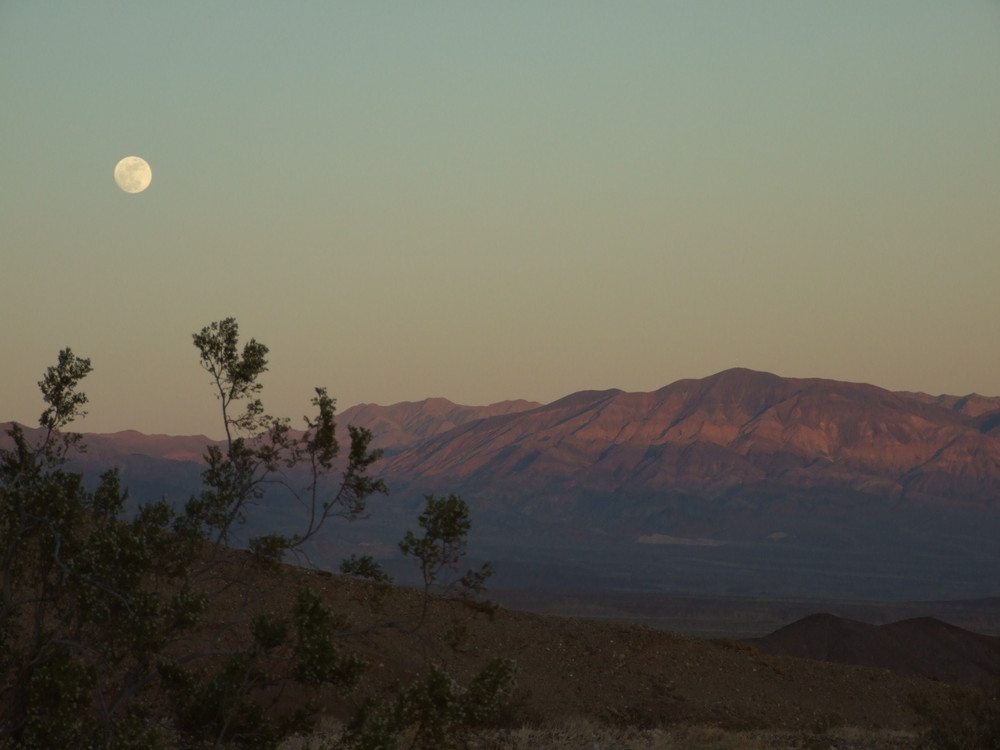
[(403, 424)]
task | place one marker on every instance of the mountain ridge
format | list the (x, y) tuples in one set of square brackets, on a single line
[(730, 429)]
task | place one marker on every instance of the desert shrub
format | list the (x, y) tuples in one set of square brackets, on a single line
[(967, 720), (139, 629), (434, 712)]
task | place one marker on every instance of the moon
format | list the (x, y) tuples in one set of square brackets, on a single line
[(133, 174)]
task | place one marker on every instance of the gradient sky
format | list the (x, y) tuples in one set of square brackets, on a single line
[(498, 200)]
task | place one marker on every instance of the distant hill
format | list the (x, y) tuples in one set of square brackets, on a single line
[(923, 646), (403, 424), (171, 465)]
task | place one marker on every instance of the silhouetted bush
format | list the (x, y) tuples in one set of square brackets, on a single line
[(967, 720), (123, 631)]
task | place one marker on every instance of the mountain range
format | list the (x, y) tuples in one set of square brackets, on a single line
[(738, 432), (743, 483)]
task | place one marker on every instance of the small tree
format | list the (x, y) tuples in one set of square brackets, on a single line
[(128, 631)]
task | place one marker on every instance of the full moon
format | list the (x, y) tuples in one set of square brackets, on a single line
[(133, 174)]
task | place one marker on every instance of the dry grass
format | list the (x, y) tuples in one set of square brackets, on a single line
[(587, 734)]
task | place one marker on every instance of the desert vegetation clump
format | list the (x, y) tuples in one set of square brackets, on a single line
[(968, 719), (584, 733), (139, 627)]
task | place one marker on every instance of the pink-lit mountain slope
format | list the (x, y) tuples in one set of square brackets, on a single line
[(736, 431)]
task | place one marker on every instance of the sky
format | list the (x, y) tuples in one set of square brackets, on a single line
[(496, 200)]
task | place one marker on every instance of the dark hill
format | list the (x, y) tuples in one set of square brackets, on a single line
[(923, 646)]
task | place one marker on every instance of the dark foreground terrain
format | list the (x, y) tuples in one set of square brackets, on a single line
[(606, 680)]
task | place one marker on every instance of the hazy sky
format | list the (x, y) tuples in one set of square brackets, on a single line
[(493, 200)]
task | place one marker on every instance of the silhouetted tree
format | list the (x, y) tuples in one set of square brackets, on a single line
[(142, 630)]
